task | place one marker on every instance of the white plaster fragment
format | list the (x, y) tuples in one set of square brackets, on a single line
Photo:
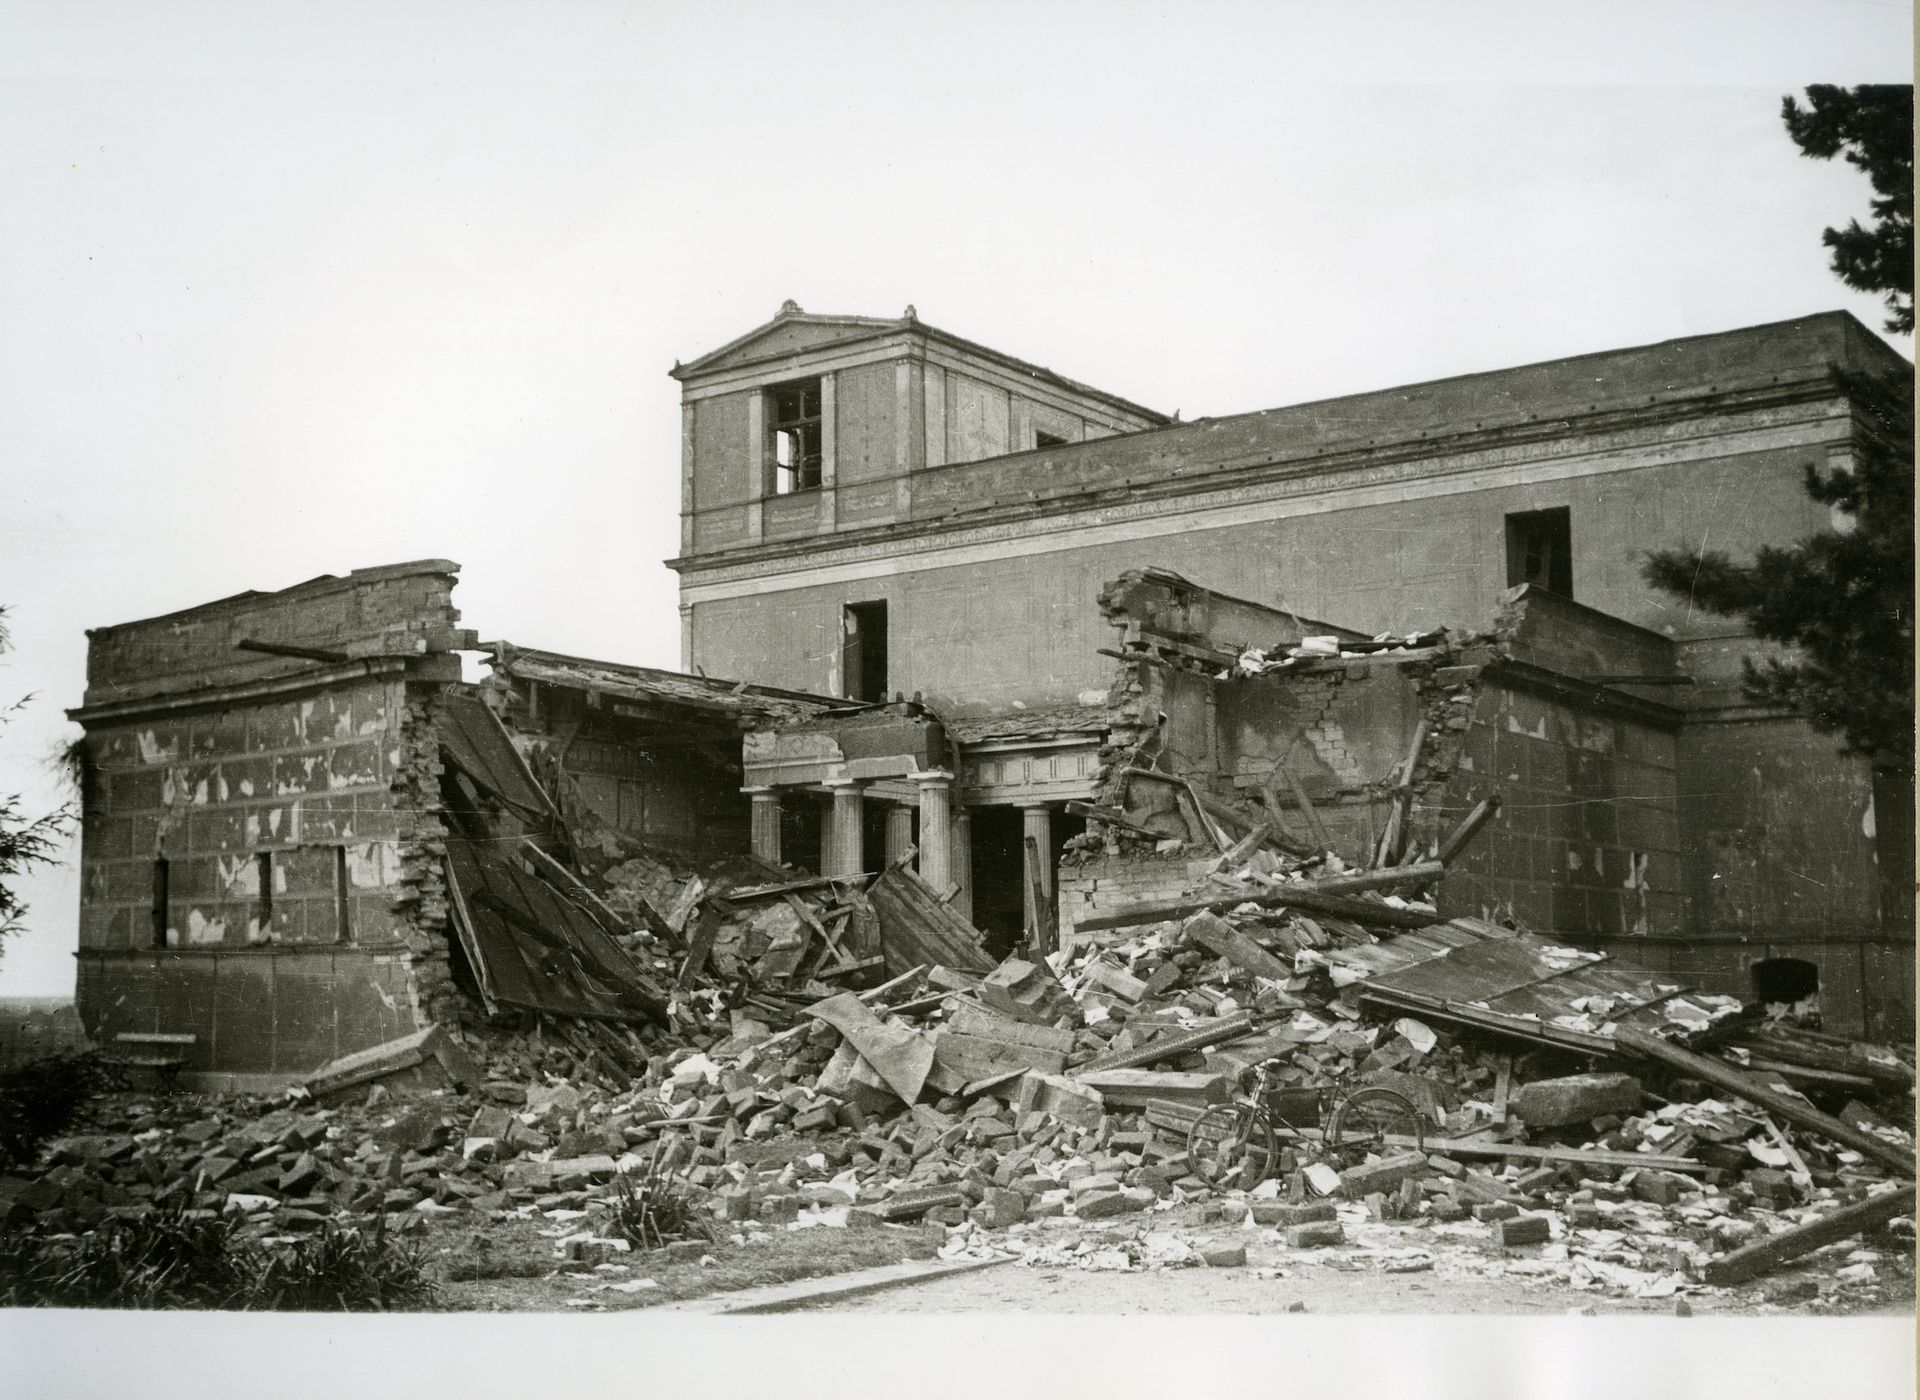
[(152, 750), (201, 929)]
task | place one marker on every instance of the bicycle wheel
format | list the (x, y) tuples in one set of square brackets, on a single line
[(1381, 1121), (1230, 1145)]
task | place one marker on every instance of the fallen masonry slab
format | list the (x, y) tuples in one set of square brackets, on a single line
[(1318, 1234), (1522, 1230), (429, 1059), (1136, 1088), (1579, 1098), (1357, 1183)]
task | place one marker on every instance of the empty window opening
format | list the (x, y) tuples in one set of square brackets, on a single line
[(160, 902), (1540, 549), (863, 654), (796, 437), (263, 897), (1041, 439), (342, 904), (1790, 982)]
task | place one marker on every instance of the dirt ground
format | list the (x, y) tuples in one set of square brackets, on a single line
[(1384, 1268)]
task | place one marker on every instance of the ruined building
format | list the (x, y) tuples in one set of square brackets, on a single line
[(960, 603)]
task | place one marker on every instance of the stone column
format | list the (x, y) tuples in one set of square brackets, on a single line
[(766, 822), (936, 831), (843, 851), (961, 847), (899, 831), (1037, 827)]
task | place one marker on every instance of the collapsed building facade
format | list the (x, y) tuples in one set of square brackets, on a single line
[(305, 837)]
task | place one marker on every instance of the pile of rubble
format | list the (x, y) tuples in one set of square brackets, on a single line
[(1014, 1103)]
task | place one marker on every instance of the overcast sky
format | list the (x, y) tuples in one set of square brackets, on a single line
[(347, 285)]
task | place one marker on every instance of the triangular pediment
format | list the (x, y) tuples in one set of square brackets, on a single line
[(788, 333)]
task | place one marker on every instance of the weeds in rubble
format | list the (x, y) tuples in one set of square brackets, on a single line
[(656, 1207), (40, 1098), (167, 1257), (173, 1257), (341, 1270)]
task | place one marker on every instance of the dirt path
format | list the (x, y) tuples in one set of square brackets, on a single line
[(1384, 1272)]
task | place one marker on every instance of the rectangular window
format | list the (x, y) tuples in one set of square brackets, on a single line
[(794, 411), (1540, 549), (863, 652), (263, 899), (160, 902), (342, 903)]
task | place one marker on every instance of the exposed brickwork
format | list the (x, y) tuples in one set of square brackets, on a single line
[(1101, 884)]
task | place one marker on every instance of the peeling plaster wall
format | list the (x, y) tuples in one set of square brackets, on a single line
[(231, 767), (310, 785)]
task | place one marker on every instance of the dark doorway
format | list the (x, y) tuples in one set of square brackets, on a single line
[(802, 823), (1000, 872), (863, 652), (1788, 981)]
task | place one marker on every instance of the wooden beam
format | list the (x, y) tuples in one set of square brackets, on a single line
[(1724, 1076), (1764, 1256), (1168, 1047), (1469, 827), (1305, 804)]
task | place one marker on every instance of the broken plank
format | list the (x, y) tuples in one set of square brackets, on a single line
[(1469, 827), (1112, 817), (1798, 1112), (1763, 1256), (1167, 1047), (1523, 1152), (1301, 800)]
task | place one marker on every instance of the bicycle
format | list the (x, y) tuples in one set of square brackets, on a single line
[(1235, 1143)]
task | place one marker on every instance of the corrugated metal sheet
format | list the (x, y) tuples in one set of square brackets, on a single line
[(1481, 974)]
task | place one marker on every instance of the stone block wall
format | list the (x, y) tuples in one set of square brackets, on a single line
[(260, 857), (1105, 884), (1587, 841)]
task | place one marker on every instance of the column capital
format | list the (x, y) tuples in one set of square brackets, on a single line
[(932, 776), (762, 791), (844, 784)]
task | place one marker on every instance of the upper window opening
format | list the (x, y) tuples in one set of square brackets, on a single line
[(1041, 439), (1540, 549), (796, 437)]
